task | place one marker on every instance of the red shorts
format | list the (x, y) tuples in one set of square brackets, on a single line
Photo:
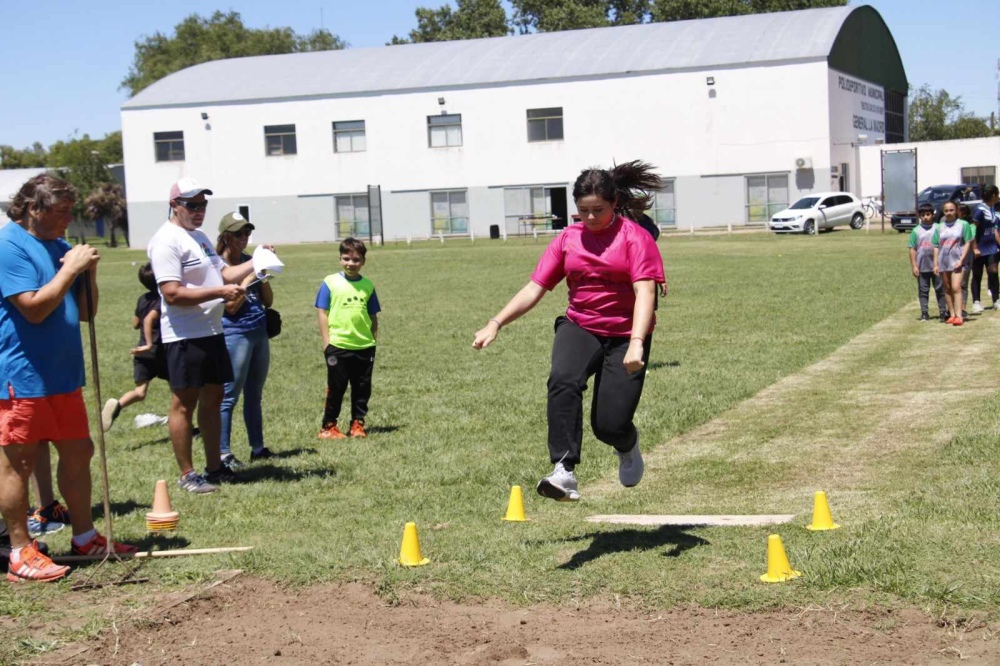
[(54, 418)]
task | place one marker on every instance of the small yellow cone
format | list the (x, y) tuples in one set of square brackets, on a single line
[(515, 507), (822, 519), (409, 554), (778, 568)]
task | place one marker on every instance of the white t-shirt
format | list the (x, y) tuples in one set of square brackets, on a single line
[(179, 255)]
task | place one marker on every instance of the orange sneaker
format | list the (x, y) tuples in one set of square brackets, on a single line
[(33, 565), (331, 431), (98, 545), (358, 429), (957, 321)]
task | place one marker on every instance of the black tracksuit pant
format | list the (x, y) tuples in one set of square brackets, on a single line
[(576, 356), (348, 367)]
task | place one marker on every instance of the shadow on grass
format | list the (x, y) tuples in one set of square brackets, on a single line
[(623, 541), (382, 430), (663, 364), (272, 473), (291, 453), (119, 509)]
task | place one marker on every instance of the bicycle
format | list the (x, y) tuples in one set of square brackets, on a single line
[(872, 206)]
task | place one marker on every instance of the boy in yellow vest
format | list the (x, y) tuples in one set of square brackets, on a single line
[(347, 309)]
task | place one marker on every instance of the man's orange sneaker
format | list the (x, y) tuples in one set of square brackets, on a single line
[(331, 431), (98, 545), (33, 565), (358, 429)]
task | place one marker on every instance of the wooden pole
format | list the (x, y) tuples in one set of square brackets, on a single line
[(154, 554), (95, 373)]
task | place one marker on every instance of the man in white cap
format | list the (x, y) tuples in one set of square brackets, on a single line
[(194, 283)]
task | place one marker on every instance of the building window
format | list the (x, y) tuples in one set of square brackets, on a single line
[(169, 146), (766, 195), (444, 131), (352, 215), (279, 140), (449, 212), (665, 205), (982, 176), (244, 212), (545, 124), (539, 208), (349, 136)]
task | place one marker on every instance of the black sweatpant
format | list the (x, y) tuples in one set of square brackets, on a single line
[(576, 355), (924, 282), (348, 367), (992, 279)]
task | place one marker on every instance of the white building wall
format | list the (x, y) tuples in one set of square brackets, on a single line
[(752, 120), (938, 162)]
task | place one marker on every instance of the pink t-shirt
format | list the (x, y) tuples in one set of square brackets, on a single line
[(600, 268)]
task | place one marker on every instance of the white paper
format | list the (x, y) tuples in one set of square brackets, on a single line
[(266, 260)]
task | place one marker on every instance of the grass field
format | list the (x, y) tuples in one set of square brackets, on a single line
[(452, 430)]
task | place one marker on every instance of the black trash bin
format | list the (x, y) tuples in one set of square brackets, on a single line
[(494, 231)]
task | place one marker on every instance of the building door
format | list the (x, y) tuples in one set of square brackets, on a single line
[(558, 207)]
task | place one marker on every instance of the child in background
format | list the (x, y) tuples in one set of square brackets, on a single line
[(970, 263), (952, 241), (149, 359), (347, 309), (922, 263)]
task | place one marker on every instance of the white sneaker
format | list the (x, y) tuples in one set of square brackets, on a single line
[(996, 305), (630, 465), (109, 413), (977, 307), (560, 485)]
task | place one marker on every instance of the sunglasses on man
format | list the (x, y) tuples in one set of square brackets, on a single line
[(192, 205)]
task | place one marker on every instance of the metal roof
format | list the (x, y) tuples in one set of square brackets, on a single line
[(575, 54)]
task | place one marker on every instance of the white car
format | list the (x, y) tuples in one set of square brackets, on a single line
[(823, 210)]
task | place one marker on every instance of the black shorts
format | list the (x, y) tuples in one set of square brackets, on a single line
[(197, 362), (149, 366)]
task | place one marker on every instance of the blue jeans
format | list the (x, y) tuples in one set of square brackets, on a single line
[(250, 354)]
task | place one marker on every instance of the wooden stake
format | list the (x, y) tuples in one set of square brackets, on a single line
[(154, 553)]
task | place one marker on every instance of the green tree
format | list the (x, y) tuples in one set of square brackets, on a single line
[(197, 39), (29, 158), (472, 19), (936, 116), (555, 15), (681, 10), (107, 202), (80, 161)]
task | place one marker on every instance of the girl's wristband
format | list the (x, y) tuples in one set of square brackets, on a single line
[(499, 325), (636, 337)]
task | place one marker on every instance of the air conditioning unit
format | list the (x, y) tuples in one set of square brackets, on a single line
[(834, 170), (803, 163)]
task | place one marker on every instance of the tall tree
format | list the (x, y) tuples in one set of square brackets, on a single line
[(107, 202), (197, 39), (935, 116), (681, 10), (472, 19), (28, 158), (555, 15)]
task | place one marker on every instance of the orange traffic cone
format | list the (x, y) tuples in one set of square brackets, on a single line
[(162, 517)]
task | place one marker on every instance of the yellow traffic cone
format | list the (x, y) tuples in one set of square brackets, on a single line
[(409, 554), (778, 568), (515, 507), (822, 519)]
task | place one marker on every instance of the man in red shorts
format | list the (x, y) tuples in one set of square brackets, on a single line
[(42, 302)]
